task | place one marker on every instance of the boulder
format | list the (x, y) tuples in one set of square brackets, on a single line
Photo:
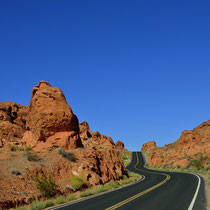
[(50, 114)]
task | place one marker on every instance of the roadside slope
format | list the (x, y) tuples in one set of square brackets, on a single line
[(174, 193)]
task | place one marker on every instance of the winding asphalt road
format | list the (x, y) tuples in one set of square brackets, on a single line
[(157, 190)]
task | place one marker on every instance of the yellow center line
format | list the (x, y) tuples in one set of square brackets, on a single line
[(141, 193)]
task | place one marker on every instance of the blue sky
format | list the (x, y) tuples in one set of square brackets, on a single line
[(135, 70)]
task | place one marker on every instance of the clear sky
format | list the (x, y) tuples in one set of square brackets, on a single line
[(136, 70)]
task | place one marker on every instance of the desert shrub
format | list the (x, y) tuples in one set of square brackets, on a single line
[(94, 190), (77, 182), (38, 205), (60, 200), (13, 149), (30, 156), (46, 185), (87, 193), (195, 163), (119, 174), (114, 184), (28, 148), (203, 158), (15, 171), (171, 146), (132, 174), (124, 177), (127, 181), (70, 197), (207, 168), (66, 154), (49, 203), (198, 153), (125, 155), (198, 164)]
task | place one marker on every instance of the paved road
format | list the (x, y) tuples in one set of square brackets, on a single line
[(156, 191)]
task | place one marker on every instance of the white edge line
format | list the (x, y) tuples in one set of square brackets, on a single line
[(197, 189), (71, 203), (74, 202), (196, 192)]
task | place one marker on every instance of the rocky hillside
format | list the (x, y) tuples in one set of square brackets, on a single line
[(47, 123), (191, 150), (46, 138)]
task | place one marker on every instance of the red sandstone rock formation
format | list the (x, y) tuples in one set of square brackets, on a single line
[(51, 121), (46, 124), (149, 146), (94, 139), (119, 145), (13, 119), (192, 147)]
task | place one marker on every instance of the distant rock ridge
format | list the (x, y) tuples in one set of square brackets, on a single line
[(47, 123), (192, 147)]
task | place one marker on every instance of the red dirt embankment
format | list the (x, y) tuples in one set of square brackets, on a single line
[(192, 149)]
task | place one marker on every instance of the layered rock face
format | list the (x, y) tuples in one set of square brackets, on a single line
[(51, 122), (192, 149), (94, 139), (13, 119)]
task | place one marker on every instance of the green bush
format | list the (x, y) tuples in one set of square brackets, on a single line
[(60, 200), (93, 191), (126, 156), (66, 154), (195, 163), (87, 193), (46, 185), (198, 164), (30, 156), (70, 197), (124, 177), (77, 182), (198, 153), (38, 205), (13, 149), (28, 148), (49, 203), (114, 184)]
